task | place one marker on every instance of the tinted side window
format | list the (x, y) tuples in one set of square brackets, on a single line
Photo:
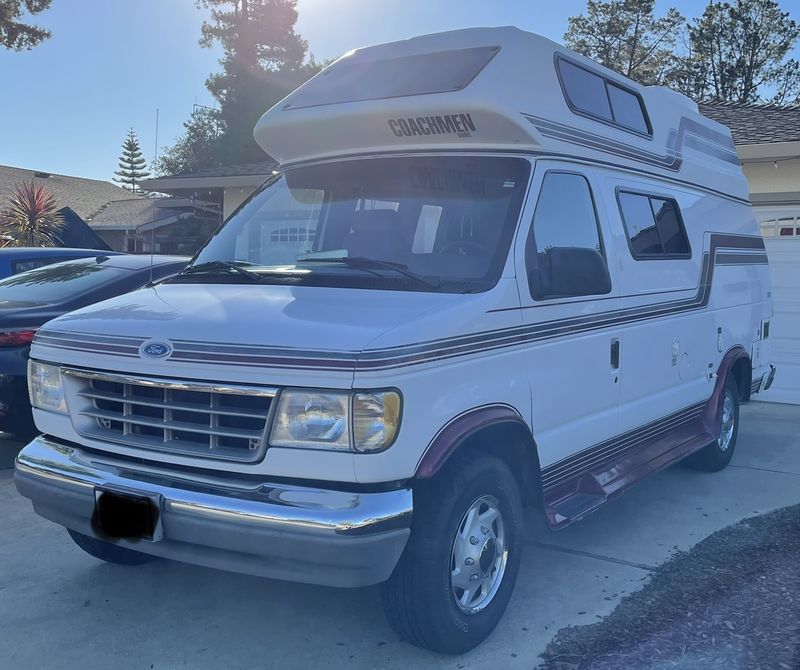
[(627, 109), (641, 226), (670, 226), (564, 253), (586, 91), (654, 226)]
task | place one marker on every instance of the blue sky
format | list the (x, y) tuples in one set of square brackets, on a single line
[(110, 64)]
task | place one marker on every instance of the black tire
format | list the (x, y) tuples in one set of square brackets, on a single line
[(418, 599), (108, 552), (716, 456)]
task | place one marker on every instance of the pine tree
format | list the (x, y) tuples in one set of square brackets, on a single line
[(132, 166), (16, 35)]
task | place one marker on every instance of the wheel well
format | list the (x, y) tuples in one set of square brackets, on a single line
[(512, 442), (742, 374)]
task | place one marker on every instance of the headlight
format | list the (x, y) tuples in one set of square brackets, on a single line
[(336, 420), (45, 387), (312, 420), (376, 418)]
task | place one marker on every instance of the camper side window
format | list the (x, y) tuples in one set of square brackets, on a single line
[(654, 226), (591, 94), (564, 252)]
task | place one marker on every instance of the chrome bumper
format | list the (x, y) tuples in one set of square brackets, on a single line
[(318, 536)]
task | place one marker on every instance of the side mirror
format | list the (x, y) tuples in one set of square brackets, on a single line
[(565, 272)]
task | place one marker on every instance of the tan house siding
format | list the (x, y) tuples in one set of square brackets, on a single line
[(782, 176)]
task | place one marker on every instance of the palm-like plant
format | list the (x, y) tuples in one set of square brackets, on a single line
[(32, 219)]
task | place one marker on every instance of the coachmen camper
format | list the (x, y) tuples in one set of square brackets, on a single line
[(489, 273)]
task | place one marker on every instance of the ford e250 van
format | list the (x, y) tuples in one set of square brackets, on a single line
[(489, 273)]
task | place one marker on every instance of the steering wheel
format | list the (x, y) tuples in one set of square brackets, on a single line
[(466, 246)]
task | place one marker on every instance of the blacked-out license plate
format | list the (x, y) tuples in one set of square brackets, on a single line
[(119, 515)]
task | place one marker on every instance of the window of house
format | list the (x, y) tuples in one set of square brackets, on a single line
[(593, 94), (654, 226), (564, 253)]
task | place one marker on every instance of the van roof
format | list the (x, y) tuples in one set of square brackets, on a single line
[(498, 89)]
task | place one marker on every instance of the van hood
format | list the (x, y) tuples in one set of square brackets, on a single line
[(236, 325)]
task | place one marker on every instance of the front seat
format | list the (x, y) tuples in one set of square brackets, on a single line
[(376, 233)]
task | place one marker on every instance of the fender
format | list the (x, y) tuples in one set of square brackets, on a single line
[(711, 414), (453, 434)]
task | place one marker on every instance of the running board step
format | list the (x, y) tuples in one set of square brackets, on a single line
[(574, 507)]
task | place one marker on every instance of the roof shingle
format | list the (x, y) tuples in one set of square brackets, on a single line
[(756, 124), (83, 196)]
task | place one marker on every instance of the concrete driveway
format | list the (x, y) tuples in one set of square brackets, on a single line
[(60, 608)]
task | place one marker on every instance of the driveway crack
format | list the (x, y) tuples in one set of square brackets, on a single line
[(589, 554)]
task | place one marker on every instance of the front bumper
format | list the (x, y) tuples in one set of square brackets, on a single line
[(295, 533)]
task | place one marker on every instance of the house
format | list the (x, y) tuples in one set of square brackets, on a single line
[(224, 187), (82, 196), (118, 219), (173, 225)]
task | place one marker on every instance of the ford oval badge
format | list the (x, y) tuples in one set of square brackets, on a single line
[(155, 349)]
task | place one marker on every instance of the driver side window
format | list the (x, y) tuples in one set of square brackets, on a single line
[(564, 255)]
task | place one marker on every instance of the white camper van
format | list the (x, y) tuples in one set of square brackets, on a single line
[(489, 273)]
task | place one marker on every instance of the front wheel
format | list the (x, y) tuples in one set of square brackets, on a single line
[(719, 453), (455, 578)]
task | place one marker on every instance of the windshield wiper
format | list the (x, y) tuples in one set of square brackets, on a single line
[(371, 264), (211, 267)]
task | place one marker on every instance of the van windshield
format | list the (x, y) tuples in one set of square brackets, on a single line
[(404, 223)]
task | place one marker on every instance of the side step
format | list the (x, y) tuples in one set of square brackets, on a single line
[(574, 507)]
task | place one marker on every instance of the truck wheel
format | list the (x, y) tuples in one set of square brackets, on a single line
[(110, 553), (718, 454), (456, 576)]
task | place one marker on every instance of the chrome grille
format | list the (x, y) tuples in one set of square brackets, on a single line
[(202, 419)]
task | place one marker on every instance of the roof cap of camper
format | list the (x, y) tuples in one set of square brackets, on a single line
[(496, 90)]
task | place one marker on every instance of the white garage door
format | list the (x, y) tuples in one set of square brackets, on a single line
[(784, 259)]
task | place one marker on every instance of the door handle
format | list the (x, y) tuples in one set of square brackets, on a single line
[(615, 354)]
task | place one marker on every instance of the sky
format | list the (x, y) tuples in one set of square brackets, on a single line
[(67, 105)]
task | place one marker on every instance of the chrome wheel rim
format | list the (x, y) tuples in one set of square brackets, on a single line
[(727, 423), (479, 555)]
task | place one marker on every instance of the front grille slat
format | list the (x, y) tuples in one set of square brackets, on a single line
[(204, 419), (174, 425), (187, 407)]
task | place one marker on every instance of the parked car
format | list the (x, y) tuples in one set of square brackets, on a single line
[(14, 260), (490, 272), (31, 298)]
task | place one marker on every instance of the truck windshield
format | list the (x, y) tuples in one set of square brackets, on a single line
[(440, 223)]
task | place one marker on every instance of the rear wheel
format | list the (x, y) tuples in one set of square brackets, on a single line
[(456, 576), (108, 552), (719, 453)]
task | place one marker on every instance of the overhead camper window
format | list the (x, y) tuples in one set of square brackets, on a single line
[(350, 80), (654, 226), (592, 94)]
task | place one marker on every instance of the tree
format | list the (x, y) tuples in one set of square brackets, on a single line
[(132, 166), (198, 148), (741, 53), (32, 219), (263, 60), (16, 35), (624, 35)]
